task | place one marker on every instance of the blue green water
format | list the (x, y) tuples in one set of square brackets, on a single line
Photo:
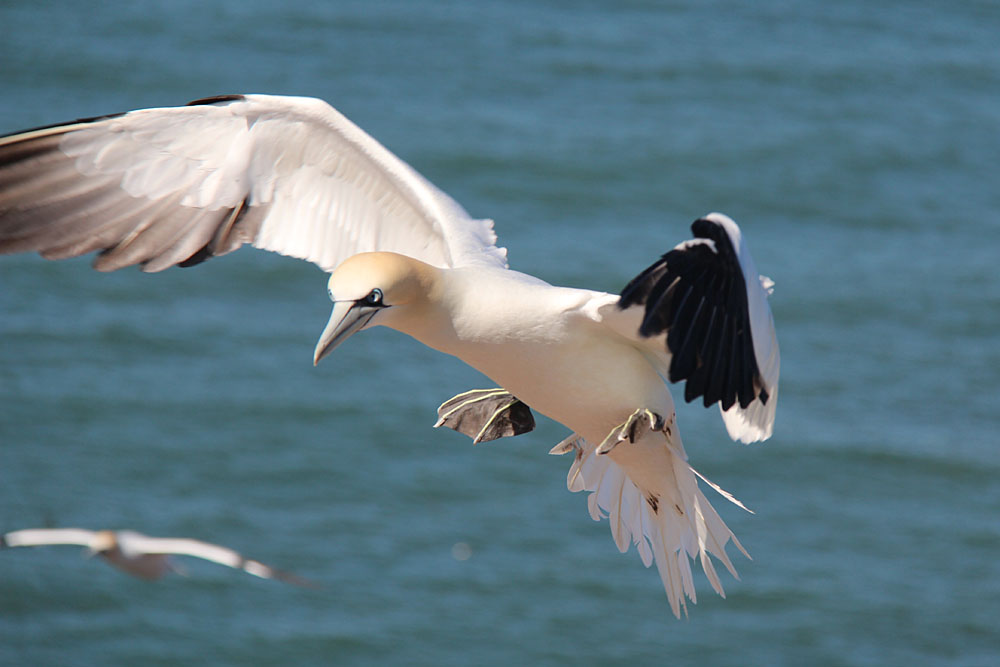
[(856, 143)]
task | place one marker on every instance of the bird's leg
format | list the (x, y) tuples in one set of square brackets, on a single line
[(633, 428), (486, 414)]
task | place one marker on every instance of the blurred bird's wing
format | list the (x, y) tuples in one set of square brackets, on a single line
[(181, 546), (36, 537)]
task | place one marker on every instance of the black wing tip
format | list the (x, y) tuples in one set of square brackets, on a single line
[(204, 253), (714, 358), (706, 228), (216, 99), (703, 227), (712, 221), (636, 292)]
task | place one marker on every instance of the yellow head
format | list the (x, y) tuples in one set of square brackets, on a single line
[(365, 286), (103, 541)]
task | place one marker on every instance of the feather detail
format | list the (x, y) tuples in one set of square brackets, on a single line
[(159, 187), (670, 525)]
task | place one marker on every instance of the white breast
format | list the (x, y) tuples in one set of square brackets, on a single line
[(542, 344)]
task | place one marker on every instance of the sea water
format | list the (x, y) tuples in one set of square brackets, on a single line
[(857, 145)]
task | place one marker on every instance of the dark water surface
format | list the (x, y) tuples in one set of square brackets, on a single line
[(856, 143)]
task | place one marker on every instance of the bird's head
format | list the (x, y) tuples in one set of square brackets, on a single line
[(102, 542), (364, 287)]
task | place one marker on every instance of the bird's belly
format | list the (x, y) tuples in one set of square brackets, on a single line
[(144, 566), (590, 385)]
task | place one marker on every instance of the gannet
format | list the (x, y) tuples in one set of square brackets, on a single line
[(176, 186), (140, 555)]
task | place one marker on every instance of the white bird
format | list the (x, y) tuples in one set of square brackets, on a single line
[(140, 555), (168, 186)]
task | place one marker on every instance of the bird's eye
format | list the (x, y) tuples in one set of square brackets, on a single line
[(329, 293), (374, 297)]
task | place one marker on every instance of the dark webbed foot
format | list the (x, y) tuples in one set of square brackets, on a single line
[(633, 429), (486, 414)]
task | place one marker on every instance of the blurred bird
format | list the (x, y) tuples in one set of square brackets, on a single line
[(140, 555), (176, 186)]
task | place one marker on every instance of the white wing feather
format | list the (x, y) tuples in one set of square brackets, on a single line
[(317, 187), (132, 543), (136, 543), (36, 537), (756, 421)]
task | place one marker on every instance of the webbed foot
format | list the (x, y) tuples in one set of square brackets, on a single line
[(486, 414), (633, 429)]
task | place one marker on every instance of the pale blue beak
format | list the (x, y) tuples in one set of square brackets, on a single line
[(346, 318)]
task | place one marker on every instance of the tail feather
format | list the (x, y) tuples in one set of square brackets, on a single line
[(679, 526), (670, 574), (645, 527), (708, 525)]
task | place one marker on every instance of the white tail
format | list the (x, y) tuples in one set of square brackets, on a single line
[(671, 525)]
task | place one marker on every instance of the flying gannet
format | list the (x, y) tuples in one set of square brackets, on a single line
[(140, 555), (176, 186)]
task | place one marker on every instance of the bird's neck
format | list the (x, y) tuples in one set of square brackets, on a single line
[(468, 312), (426, 314)]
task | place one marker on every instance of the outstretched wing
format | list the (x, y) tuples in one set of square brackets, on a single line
[(182, 546), (706, 299), (177, 185), (36, 537)]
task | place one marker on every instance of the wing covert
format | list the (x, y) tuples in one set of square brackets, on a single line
[(177, 185)]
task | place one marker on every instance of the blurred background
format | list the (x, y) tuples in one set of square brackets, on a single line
[(855, 143)]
